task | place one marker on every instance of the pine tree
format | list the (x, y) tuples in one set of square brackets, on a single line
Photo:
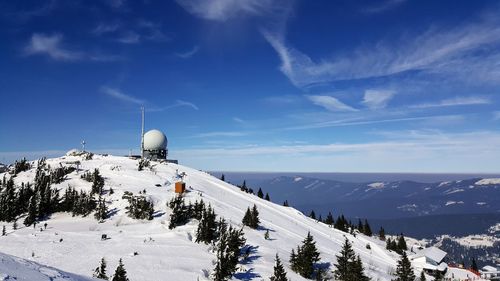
[(101, 212), (285, 203), (207, 228), (222, 177), (120, 273), (358, 270), (260, 194), (267, 197), (32, 211), (422, 276), (366, 229), (247, 218), (404, 271), (306, 257), (97, 182), (266, 235), (474, 265), (279, 271), (345, 261), (100, 271), (179, 215), (255, 217), (228, 251), (14, 225), (381, 234), (251, 217), (4, 232), (329, 219), (402, 243), (312, 215)]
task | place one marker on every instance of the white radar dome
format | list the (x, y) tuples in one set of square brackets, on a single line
[(155, 140)]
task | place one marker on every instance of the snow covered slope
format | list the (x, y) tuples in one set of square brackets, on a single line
[(12, 268), (74, 243)]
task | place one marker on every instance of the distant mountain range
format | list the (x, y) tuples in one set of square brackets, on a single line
[(386, 200)]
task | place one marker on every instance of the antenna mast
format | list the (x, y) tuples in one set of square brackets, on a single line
[(142, 132)]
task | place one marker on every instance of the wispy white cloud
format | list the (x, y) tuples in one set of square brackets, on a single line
[(433, 51), (456, 101), (220, 134), (358, 121), (129, 37), (104, 28), (383, 6), (427, 152), (496, 115), (377, 99), (185, 103), (330, 103), (188, 54), (117, 94), (178, 103), (239, 120), (221, 10), (131, 33), (51, 45)]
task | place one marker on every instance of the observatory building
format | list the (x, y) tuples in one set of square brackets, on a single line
[(154, 145)]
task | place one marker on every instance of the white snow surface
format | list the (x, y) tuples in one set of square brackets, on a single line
[(13, 268), (173, 253), (488, 181)]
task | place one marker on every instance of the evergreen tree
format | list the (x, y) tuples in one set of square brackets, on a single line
[(312, 215), (100, 271), (381, 234), (101, 212), (207, 228), (266, 235), (247, 218), (179, 215), (345, 261), (285, 203), (229, 246), (402, 243), (360, 226), (97, 182), (279, 271), (255, 218), (388, 243), (251, 217), (260, 194), (267, 197), (404, 271), (474, 265), (222, 177), (358, 270), (14, 225), (366, 229), (329, 219), (4, 232), (307, 256), (32, 211), (120, 273), (422, 276)]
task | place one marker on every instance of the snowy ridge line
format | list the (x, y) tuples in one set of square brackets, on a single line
[(173, 253)]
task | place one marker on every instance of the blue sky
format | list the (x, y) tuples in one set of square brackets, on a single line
[(257, 85)]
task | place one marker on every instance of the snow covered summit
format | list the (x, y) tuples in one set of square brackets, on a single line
[(150, 251)]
